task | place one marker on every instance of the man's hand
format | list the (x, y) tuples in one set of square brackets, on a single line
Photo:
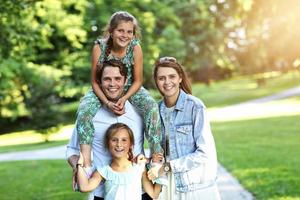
[(73, 160), (74, 179)]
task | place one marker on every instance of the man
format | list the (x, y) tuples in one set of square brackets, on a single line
[(112, 79)]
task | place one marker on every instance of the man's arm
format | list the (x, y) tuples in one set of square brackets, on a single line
[(72, 155), (73, 160)]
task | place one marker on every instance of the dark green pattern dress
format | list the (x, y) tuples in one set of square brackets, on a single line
[(142, 100)]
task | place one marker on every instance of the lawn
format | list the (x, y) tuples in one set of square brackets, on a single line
[(263, 154), (243, 88), (33, 139), (37, 180)]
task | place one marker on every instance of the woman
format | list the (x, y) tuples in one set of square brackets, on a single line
[(190, 154)]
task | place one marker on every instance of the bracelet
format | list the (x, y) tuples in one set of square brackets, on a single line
[(107, 103), (79, 165)]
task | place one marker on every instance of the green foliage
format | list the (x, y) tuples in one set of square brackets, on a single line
[(12, 88), (269, 29), (213, 39), (39, 41), (42, 96), (16, 34)]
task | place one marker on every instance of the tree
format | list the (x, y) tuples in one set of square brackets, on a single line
[(38, 33)]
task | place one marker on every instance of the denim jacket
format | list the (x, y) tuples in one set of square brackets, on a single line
[(193, 157)]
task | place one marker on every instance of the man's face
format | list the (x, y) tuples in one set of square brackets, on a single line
[(112, 83)]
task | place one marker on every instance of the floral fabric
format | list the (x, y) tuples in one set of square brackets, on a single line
[(142, 100)]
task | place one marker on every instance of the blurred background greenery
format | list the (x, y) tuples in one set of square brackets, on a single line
[(45, 46), (234, 51)]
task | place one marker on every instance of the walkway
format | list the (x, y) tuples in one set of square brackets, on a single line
[(229, 187), (259, 108)]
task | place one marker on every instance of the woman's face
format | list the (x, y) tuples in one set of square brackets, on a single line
[(168, 82), (123, 34)]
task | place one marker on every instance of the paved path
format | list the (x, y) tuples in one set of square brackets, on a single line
[(229, 187), (258, 108)]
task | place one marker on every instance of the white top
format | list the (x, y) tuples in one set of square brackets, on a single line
[(102, 120), (168, 115), (123, 185)]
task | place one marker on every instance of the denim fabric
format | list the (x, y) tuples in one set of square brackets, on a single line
[(192, 148)]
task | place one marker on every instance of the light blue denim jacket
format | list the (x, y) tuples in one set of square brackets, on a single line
[(193, 157)]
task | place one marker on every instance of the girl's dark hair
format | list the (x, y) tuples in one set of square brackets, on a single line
[(171, 62), (110, 63), (114, 21), (115, 128)]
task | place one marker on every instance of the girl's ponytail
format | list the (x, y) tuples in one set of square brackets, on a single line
[(109, 45)]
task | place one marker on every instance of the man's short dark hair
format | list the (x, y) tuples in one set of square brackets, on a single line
[(110, 63)]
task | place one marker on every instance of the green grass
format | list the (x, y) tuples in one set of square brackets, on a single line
[(37, 180), (263, 154), (241, 89)]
